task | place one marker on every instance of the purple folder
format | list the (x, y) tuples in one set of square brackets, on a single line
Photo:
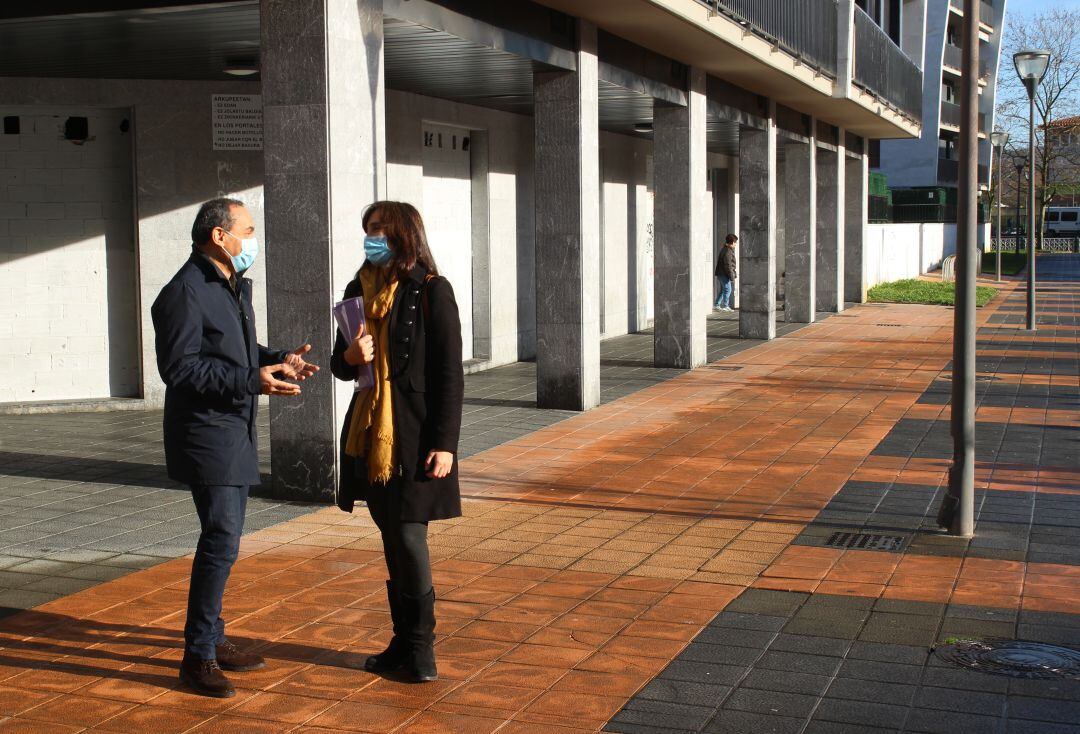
[(349, 315)]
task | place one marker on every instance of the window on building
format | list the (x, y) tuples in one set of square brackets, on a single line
[(946, 147)]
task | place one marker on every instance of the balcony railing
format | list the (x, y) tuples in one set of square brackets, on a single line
[(948, 172), (950, 115), (954, 60), (806, 29), (883, 69)]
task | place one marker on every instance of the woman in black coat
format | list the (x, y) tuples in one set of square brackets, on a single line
[(399, 441)]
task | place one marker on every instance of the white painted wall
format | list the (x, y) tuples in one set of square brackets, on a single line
[(447, 214), (626, 259), (899, 251), (68, 301)]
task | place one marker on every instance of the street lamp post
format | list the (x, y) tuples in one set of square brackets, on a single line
[(999, 138), (1030, 67), (1019, 189)]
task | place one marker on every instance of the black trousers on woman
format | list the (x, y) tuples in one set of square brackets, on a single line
[(404, 543)]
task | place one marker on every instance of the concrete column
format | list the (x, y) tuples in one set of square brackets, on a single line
[(830, 228), (757, 230), (733, 216), (682, 216), (324, 150), (855, 213), (800, 253), (568, 232)]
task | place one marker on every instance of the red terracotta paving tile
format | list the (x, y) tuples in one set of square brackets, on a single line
[(437, 722), (362, 716), (152, 719)]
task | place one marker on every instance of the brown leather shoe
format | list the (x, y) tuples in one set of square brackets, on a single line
[(231, 657), (205, 677)]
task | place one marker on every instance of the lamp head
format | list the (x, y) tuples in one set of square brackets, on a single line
[(1031, 65), (999, 138)]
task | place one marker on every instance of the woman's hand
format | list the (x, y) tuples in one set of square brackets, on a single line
[(362, 349), (438, 464)]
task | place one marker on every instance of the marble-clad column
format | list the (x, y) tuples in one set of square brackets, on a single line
[(831, 204), (757, 230), (567, 202), (830, 229), (800, 192), (855, 216), (324, 153), (681, 271)]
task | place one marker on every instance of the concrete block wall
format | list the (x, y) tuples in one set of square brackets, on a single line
[(68, 321), (176, 169)]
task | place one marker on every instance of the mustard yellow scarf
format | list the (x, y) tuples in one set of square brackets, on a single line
[(371, 432)]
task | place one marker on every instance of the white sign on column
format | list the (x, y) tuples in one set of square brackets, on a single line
[(237, 121)]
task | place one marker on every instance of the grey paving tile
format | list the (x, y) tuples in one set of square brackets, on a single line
[(742, 722), (859, 712), (795, 705)]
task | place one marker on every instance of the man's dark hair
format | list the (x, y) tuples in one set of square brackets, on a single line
[(214, 213), (731, 239)]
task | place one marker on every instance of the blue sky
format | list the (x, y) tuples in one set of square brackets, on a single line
[(1028, 7)]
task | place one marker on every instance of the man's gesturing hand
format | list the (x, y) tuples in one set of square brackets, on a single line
[(296, 367), (361, 350), (272, 385)]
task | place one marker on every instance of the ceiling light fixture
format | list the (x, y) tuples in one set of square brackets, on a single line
[(241, 70)]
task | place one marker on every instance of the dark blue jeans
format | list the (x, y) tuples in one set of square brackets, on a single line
[(221, 515)]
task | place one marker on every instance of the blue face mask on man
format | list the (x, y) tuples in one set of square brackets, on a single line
[(377, 250), (249, 249)]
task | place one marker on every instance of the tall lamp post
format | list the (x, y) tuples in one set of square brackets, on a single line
[(999, 138), (1019, 190), (1030, 67)]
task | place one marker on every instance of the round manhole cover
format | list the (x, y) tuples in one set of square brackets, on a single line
[(1013, 658)]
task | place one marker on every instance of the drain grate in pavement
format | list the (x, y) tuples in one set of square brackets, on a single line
[(865, 541), (888, 324), (726, 367), (1014, 658)]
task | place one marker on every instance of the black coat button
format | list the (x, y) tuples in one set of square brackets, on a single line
[(403, 339), (412, 306), (408, 323)]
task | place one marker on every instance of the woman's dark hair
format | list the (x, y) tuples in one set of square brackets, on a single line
[(404, 230), (731, 239), (212, 214)]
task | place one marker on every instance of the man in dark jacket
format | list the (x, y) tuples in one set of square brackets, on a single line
[(214, 371), (725, 271)]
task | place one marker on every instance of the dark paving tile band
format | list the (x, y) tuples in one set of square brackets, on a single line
[(1016, 526), (777, 661), (1026, 365), (1006, 394), (1003, 443)]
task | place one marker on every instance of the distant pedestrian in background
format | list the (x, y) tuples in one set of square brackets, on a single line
[(725, 271)]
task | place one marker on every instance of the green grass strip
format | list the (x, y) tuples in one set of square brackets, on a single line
[(929, 292), (1011, 262)]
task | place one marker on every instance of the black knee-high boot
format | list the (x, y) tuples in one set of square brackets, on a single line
[(420, 616), (396, 653)]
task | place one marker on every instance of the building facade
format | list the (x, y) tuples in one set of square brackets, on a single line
[(577, 165), (932, 159)]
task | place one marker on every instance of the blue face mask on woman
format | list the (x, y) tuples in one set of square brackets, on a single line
[(377, 250), (249, 249)]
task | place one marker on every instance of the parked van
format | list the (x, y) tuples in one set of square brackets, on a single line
[(1063, 221)]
